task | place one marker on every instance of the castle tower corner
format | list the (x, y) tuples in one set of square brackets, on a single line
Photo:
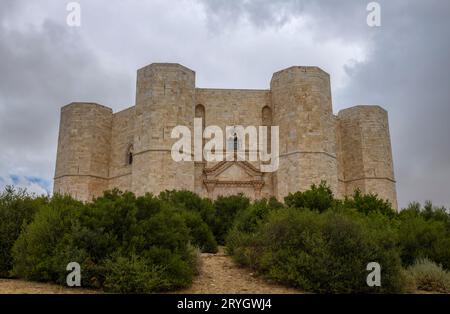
[(165, 98), (366, 152), (84, 142), (301, 98)]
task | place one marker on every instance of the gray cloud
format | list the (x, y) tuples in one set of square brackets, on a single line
[(263, 13), (408, 72), (402, 65), (42, 68)]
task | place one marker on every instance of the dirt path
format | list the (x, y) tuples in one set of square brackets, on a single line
[(219, 274)]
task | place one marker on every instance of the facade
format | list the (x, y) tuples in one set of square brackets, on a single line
[(131, 149)]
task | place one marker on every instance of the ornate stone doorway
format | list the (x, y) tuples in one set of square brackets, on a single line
[(233, 177)]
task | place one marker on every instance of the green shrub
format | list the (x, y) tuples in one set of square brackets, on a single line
[(368, 203), (419, 238), (133, 275), (146, 244), (431, 212), (318, 198), (200, 234), (199, 215), (192, 202), (425, 232), (35, 250), (249, 219), (325, 252), (17, 208), (226, 209), (429, 276), (103, 236), (246, 224)]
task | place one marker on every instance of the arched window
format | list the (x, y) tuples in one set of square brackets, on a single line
[(267, 116), (200, 112), (129, 157)]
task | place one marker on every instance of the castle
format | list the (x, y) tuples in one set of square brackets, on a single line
[(131, 149)]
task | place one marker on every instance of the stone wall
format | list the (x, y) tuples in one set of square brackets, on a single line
[(229, 107), (351, 150), (122, 143)]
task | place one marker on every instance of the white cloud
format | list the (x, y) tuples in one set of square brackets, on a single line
[(36, 186)]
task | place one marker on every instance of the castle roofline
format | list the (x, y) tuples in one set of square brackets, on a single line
[(167, 65), (77, 103), (232, 89), (124, 110), (305, 68), (361, 107)]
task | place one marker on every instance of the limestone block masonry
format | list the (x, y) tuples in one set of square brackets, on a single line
[(100, 150)]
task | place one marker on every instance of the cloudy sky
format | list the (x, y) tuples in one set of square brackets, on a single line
[(403, 65)]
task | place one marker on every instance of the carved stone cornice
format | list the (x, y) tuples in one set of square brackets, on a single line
[(211, 176)]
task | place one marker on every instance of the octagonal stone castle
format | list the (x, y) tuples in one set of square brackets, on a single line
[(130, 150)]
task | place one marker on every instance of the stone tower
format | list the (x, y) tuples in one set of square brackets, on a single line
[(164, 99), (82, 163), (131, 149), (366, 151), (301, 99)]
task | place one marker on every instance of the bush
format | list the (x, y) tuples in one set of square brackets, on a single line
[(249, 219), (115, 234), (368, 203), (429, 276), (226, 209), (130, 244), (410, 282), (322, 252), (17, 208), (425, 232), (35, 251), (200, 234), (318, 198), (419, 238), (431, 212), (199, 215), (133, 275), (192, 202), (246, 223)]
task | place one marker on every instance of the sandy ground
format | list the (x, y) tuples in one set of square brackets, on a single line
[(15, 286), (219, 274)]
